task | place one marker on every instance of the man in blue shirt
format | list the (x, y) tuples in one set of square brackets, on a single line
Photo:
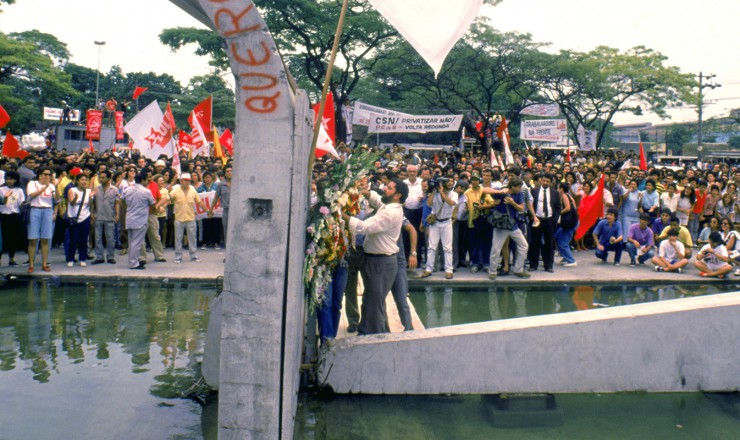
[(608, 237)]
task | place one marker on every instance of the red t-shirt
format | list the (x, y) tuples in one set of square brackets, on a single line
[(699, 205)]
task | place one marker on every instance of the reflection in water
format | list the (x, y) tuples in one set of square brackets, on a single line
[(443, 306), (113, 348), (586, 416)]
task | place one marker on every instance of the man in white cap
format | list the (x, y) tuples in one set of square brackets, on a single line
[(184, 199)]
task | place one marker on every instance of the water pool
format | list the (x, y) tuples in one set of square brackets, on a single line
[(439, 306)]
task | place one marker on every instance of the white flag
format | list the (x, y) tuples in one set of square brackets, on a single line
[(150, 132), (432, 27), (200, 144)]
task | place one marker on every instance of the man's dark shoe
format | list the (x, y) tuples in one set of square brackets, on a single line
[(139, 267), (111, 261), (97, 262), (352, 329), (523, 274), (160, 260)]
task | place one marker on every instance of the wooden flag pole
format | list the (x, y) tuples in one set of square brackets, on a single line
[(327, 79)]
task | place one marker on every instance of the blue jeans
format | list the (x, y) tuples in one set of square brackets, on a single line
[(616, 247), (562, 240), (331, 308), (78, 236), (632, 251)]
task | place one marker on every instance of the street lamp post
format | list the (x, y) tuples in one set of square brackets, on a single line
[(97, 76), (703, 86)]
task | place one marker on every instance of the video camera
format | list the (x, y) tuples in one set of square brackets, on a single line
[(437, 181)]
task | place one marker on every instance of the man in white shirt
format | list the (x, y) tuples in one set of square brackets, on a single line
[(380, 267), (412, 208), (671, 254), (442, 200)]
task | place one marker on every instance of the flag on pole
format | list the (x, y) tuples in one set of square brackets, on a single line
[(138, 91), (170, 118), (567, 155), (217, 152), (503, 134), (204, 113), (590, 210), (150, 132), (92, 147), (11, 147), (643, 161), (199, 144), (327, 132), (4, 117), (227, 140)]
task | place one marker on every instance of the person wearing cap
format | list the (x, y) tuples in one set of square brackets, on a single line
[(159, 166), (184, 199)]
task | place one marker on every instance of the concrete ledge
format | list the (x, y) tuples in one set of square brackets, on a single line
[(678, 345)]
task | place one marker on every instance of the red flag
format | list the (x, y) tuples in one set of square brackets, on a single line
[(119, 125), (327, 132), (503, 130), (92, 147), (138, 91), (204, 113), (567, 155), (436, 159), (227, 140), (4, 117), (643, 162), (184, 141), (11, 147), (170, 118), (590, 210), (94, 122)]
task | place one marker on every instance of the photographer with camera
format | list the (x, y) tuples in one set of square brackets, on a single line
[(442, 199), (713, 259)]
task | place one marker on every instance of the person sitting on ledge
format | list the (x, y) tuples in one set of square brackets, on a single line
[(671, 254), (684, 236), (608, 237), (712, 260)]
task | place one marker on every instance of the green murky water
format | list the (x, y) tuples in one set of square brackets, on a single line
[(442, 306), (101, 360), (116, 361)]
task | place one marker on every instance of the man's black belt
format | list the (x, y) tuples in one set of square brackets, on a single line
[(377, 255), (443, 219)]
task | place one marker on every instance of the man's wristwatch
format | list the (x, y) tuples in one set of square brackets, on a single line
[(413, 254)]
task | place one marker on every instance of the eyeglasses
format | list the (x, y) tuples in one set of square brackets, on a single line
[(46, 174)]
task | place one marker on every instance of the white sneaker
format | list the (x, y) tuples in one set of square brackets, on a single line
[(83, 264), (737, 273), (70, 264), (573, 264)]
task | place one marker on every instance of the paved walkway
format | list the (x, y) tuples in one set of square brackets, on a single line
[(209, 269), (589, 270)]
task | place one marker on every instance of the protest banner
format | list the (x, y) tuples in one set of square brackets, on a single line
[(362, 113), (94, 123), (543, 130), (207, 199), (548, 110), (412, 124), (55, 114)]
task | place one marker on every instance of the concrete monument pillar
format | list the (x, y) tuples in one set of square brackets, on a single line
[(262, 305)]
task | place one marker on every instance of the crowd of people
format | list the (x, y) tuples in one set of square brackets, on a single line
[(98, 206), (463, 211), (441, 214)]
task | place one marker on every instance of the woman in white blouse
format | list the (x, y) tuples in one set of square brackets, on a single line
[(42, 196)]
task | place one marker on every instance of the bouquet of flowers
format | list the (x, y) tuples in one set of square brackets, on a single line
[(328, 235)]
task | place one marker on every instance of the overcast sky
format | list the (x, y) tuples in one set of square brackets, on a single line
[(695, 36)]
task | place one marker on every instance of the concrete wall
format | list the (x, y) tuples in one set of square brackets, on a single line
[(262, 301), (678, 345)]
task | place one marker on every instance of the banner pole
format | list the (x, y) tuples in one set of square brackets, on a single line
[(327, 80)]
